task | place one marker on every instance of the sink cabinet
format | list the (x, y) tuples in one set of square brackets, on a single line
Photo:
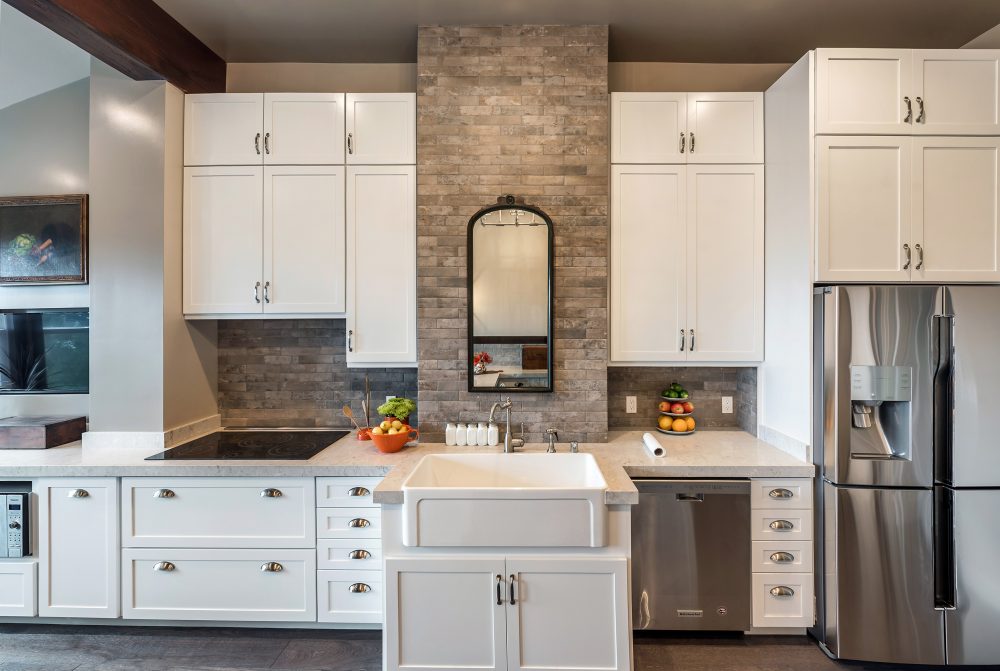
[(515, 612)]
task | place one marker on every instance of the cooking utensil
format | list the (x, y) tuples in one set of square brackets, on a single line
[(348, 413)]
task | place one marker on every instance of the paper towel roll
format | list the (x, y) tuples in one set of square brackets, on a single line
[(652, 445)]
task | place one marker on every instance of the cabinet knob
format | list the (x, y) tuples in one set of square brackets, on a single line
[(270, 493), (780, 493), (359, 554), (781, 525), (78, 494), (358, 491), (359, 523), (782, 557), (163, 566), (782, 591), (359, 588), (164, 494), (271, 567)]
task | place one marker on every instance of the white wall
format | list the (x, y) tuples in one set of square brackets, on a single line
[(321, 77), (634, 76)]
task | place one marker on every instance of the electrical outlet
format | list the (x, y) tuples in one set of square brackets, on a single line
[(727, 405), (389, 398), (631, 405)]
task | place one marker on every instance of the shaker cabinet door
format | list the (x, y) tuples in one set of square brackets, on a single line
[(224, 129), (725, 127), (381, 128), (863, 91), (956, 92), (649, 127), (304, 128)]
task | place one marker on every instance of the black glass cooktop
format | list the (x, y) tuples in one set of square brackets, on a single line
[(283, 444)]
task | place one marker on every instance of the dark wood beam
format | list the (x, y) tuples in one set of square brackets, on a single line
[(136, 37)]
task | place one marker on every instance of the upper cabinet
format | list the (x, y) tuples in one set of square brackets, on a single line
[(224, 129), (663, 128), (381, 128), (904, 92), (303, 128)]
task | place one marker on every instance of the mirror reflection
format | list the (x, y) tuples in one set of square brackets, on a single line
[(510, 307)]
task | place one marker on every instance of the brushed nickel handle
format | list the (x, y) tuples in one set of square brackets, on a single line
[(256, 143), (350, 143), (270, 493), (164, 494), (683, 142), (692, 142), (920, 114), (781, 525), (359, 523), (692, 339), (267, 291), (359, 554), (513, 601), (78, 494), (271, 567), (682, 340), (782, 557), (350, 338), (256, 292), (164, 566), (267, 143), (358, 491), (909, 110), (782, 591), (920, 257), (909, 257), (499, 582), (359, 588), (780, 493)]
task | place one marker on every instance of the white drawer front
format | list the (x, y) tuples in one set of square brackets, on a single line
[(218, 512), (337, 553), (349, 596), (17, 588), (782, 600), (349, 522), (782, 556), (791, 524), (219, 585), (345, 492), (781, 493)]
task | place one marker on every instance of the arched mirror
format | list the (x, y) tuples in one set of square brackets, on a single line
[(510, 298)]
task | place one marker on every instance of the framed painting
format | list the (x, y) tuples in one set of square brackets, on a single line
[(43, 239)]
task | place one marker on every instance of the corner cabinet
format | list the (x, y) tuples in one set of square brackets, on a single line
[(517, 613)]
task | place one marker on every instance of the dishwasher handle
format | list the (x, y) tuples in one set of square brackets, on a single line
[(691, 498)]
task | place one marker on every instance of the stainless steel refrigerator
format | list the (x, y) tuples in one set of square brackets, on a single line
[(907, 444)]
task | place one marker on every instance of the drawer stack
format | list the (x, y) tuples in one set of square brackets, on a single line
[(782, 556), (348, 550), (219, 549)]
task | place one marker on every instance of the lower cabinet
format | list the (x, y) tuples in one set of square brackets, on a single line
[(510, 612), (349, 596), (78, 558), (17, 588), (214, 584)]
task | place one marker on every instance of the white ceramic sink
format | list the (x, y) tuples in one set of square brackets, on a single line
[(505, 500)]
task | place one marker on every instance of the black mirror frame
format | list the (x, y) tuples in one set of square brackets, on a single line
[(551, 298)]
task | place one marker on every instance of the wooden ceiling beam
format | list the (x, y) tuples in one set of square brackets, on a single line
[(136, 37)]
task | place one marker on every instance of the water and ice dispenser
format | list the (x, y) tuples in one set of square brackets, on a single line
[(881, 412)]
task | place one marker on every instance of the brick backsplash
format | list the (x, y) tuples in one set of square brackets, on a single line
[(706, 385), (292, 372), (522, 110)]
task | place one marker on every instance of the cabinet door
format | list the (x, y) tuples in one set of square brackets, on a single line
[(78, 547), (18, 594), (223, 240), (725, 127), (449, 614), (725, 266), (958, 91), (956, 198), (224, 129), (381, 265), (304, 239), (863, 196), (381, 128), (648, 260), (304, 128), (861, 91), (569, 614), (648, 127)]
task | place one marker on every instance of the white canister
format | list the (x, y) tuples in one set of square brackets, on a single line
[(493, 435), (460, 434), (471, 434), (481, 437), (449, 434)]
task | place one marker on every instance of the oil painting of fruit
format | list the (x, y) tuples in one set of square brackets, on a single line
[(43, 240)]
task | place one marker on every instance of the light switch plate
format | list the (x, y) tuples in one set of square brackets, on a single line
[(631, 406), (727, 405)]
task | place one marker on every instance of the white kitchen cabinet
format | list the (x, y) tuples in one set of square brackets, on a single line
[(78, 547), (346, 491), (863, 192), (517, 613), (18, 592), (567, 613), (725, 263), (654, 128), (648, 127), (223, 243), (349, 523), (223, 129), (381, 128), (958, 91), (862, 91), (349, 597), (648, 262), (725, 127), (687, 263), (304, 240), (381, 265), (783, 600), (303, 128)]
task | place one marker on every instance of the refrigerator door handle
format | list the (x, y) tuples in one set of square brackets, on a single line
[(945, 567), (944, 397)]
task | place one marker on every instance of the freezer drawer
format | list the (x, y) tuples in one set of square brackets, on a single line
[(691, 555)]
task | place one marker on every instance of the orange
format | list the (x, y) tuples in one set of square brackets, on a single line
[(680, 426), (690, 423), (665, 422)]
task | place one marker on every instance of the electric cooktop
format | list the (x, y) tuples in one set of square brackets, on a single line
[(284, 444)]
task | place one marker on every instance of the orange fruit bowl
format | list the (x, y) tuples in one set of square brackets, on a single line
[(394, 442)]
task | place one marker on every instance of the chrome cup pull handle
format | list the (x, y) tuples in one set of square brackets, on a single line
[(920, 256), (920, 114), (164, 566), (78, 494), (271, 567), (780, 493), (909, 257), (359, 523), (164, 494), (782, 591), (781, 525), (782, 557), (270, 493), (358, 491), (359, 554), (359, 588), (909, 110)]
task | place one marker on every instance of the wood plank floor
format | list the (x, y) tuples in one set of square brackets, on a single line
[(101, 648)]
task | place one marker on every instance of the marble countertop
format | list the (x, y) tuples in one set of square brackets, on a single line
[(705, 454)]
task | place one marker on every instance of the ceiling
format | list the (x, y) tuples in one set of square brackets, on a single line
[(700, 31)]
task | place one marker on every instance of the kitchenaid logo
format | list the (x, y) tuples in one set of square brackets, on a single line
[(689, 613)]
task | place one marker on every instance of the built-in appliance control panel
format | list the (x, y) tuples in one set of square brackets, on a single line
[(15, 525)]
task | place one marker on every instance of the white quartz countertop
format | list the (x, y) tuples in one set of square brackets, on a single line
[(705, 454)]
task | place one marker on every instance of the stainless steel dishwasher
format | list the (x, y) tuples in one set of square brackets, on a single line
[(691, 555)]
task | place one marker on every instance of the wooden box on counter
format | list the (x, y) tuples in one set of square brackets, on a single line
[(37, 433)]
